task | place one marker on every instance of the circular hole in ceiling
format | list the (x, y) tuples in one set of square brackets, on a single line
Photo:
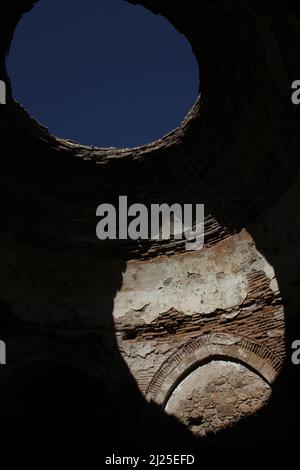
[(217, 395), (102, 72)]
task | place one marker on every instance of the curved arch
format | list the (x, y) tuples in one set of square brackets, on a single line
[(73, 178), (200, 349)]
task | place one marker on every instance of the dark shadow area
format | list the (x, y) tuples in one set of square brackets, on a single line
[(66, 383), (58, 406)]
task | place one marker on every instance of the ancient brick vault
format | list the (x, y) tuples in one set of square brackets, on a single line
[(142, 340)]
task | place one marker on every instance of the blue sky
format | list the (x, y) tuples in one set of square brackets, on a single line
[(102, 72)]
